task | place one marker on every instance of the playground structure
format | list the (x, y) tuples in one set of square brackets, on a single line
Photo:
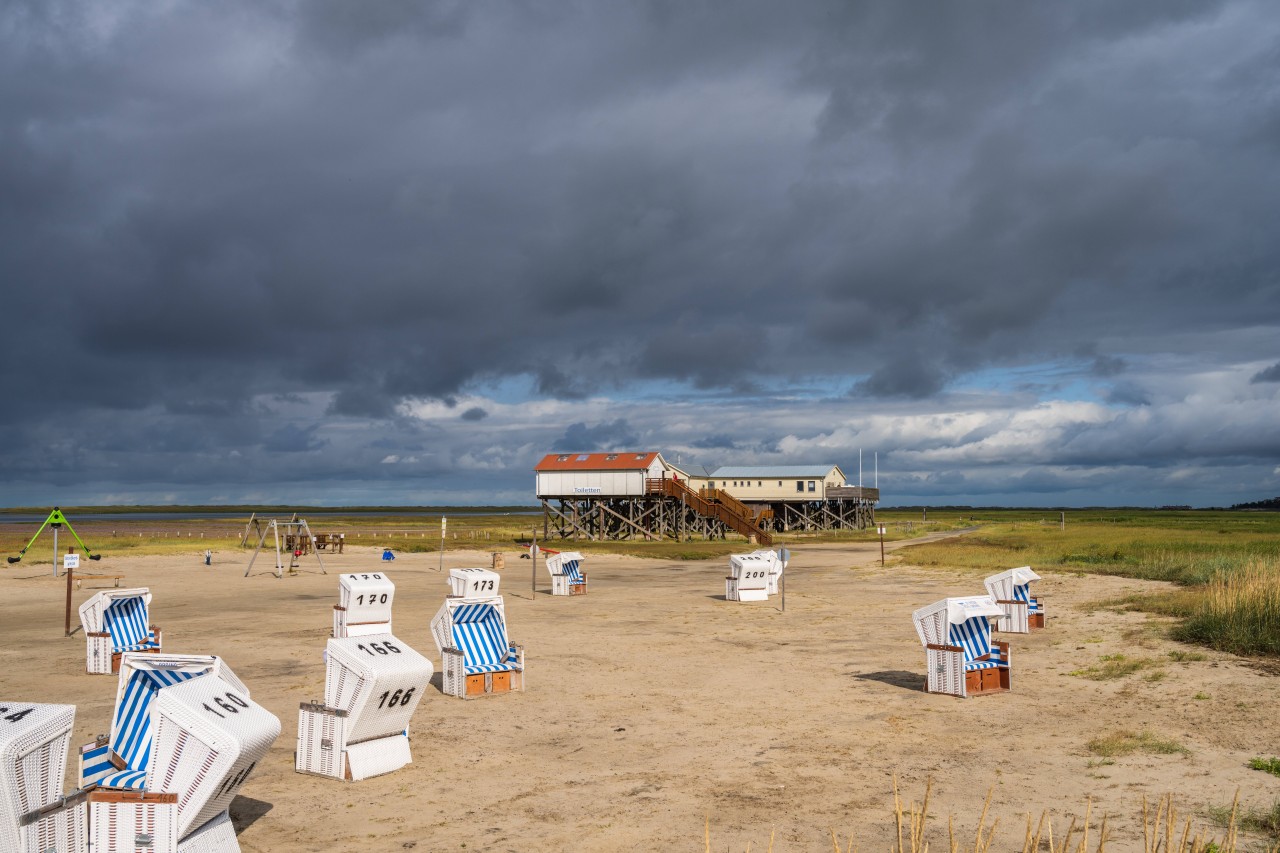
[(55, 521), (293, 536)]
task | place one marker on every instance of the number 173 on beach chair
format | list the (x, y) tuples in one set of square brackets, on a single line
[(962, 658), (116, 621)]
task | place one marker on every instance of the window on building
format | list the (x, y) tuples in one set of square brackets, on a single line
[(711, 484), (813, 486), (779, 484), (611, 457), (759, 483), (639, 455), (799, 485), (583, 457), (564, 458)]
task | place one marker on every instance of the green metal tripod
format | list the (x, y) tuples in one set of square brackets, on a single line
[(55, 520)]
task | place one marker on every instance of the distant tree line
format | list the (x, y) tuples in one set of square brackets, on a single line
[(1269, 503)]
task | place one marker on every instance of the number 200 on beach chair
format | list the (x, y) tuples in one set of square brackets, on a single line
[(748, 578), (116, 621), (962, 659), (471, 634), (1012, 591)]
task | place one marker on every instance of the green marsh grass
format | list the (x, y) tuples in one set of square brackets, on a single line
[(1225, 565)]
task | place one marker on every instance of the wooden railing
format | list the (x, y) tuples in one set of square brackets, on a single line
[(733, 512)]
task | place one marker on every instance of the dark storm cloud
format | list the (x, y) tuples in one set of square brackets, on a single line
[(1269, 374), (475, 413), (614, 435), (358, 205)]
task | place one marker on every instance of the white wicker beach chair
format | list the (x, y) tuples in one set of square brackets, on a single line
[(208, 738), (962, 659), (567, 577), (1012, 591), (777, 565), (116, 621), (373, 684), (478, 659), (364, 605), (185, 736), (34, 816), (474, 583), (748, 578)]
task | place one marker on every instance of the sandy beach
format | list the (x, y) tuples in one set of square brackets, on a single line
[(654, 705)]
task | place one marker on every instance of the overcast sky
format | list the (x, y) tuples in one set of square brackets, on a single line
[(384, 253)]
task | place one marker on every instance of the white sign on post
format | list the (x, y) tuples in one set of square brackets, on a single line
[(71, 561), (882, 530)]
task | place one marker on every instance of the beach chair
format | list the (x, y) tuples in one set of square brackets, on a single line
[(478, 658), (1012, 591), (777, 565), (116, 621), (961, 656), (373, 684), (474, 583), (185, 736), (748, 578), (34, 816), (567, 577), (364, 605)]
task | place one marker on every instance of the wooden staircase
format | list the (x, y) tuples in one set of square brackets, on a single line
[(713, 503)]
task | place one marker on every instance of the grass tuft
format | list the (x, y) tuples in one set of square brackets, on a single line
[(1127, 743), (1266, 765)]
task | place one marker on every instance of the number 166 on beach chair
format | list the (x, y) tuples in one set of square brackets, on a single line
[(961, 656), (116, 621), (373, 684)]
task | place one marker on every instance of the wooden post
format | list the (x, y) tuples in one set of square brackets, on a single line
[(881, 529), (1064, 521), (443, 523), (70, 572), (533, 566), (782, 584)]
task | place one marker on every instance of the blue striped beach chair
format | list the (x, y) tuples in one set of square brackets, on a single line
[(962, 658), (117, 621), (184, 738), (119, 760), (567, 577), (478, 658), (1012, 591)]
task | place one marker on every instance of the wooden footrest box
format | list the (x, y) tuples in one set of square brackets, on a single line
[(483, 683)]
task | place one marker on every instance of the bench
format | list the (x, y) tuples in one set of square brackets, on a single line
[(79, 578)]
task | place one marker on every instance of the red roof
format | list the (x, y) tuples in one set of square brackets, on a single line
[(595, 461)]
